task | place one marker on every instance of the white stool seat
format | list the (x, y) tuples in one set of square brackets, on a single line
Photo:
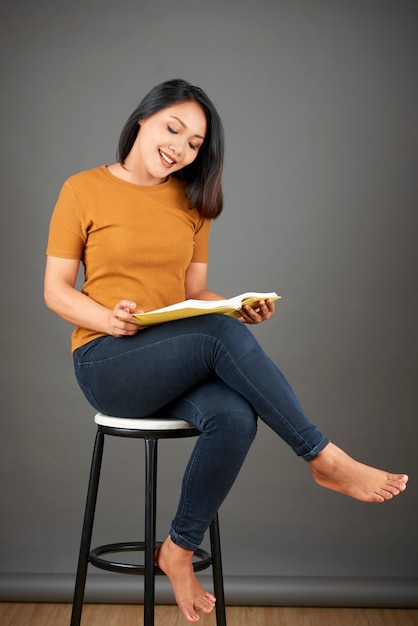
[(146, 423)]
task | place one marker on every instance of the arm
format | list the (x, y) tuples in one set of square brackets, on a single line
[(195, 284), (65, 300)]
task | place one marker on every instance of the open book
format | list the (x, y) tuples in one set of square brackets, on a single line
[(193, 308)]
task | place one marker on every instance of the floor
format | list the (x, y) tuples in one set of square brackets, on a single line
[(21, 614)]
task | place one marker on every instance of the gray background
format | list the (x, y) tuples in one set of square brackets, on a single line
[(319, 102)]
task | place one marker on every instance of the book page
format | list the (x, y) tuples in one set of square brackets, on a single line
[(194, 308)]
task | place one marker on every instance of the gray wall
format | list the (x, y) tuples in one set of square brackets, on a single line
[(319, 101)]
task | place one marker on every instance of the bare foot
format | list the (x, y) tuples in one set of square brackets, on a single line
[(334, 469), (176, 563)]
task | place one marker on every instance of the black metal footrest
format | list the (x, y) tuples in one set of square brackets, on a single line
[(203, 558)]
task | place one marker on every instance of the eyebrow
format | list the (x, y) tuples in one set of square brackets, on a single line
[(184, 125)]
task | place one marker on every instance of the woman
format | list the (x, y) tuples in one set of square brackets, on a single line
[(140, 226)]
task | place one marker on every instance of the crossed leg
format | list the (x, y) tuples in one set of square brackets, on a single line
[(332, 469)]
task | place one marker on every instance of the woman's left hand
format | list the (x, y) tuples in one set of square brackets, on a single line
[(263, 312)]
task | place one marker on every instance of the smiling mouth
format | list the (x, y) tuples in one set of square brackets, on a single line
[(167, 160)]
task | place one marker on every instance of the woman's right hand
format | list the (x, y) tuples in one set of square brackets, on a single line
[(121, 321), (75, 307)]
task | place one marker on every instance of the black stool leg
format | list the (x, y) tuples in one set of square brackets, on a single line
[(87, 529), (218, 585), (151, 448)]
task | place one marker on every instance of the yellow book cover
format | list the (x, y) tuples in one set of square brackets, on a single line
[(193, 308)]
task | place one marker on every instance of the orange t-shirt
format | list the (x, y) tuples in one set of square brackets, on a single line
[(134, 242)]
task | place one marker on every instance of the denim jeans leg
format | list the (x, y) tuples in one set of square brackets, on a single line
[(212, 372), (228, 425), (136, 376)]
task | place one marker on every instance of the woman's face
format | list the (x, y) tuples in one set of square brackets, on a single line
[(169, 140)]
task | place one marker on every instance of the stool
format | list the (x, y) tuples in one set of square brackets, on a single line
[(150, 430)]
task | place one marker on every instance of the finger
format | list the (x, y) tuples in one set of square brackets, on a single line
[(249, 315), (271, 306), (123, 311), (127, 306), (262, 313), (124, 329), (267, 309), (124, 317)]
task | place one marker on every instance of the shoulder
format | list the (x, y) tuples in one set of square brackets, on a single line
[(86, 177)]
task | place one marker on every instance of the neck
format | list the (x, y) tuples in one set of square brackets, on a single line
[(133, 175)]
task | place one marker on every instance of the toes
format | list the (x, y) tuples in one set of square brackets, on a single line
[(399, 481), (376, 497), (210, 597), (401, 484), (205, 604), (192, 617), (388, 495), (190, 614)]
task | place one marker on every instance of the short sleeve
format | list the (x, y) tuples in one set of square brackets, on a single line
[(201, 242), (67, 233)]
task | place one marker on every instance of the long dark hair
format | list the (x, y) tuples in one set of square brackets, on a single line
[(203, 177)]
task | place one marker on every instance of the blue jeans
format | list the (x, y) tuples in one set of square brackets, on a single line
[(211, 372)]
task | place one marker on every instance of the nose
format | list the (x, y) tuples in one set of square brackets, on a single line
[(175, 149)]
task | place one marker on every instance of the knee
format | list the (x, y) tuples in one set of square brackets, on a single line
[(239, 426), (228, 327)]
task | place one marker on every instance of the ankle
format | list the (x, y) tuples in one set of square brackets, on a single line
[(170, 552)]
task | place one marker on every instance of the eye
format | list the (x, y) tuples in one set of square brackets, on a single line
[(193, 147), (171, 130)]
